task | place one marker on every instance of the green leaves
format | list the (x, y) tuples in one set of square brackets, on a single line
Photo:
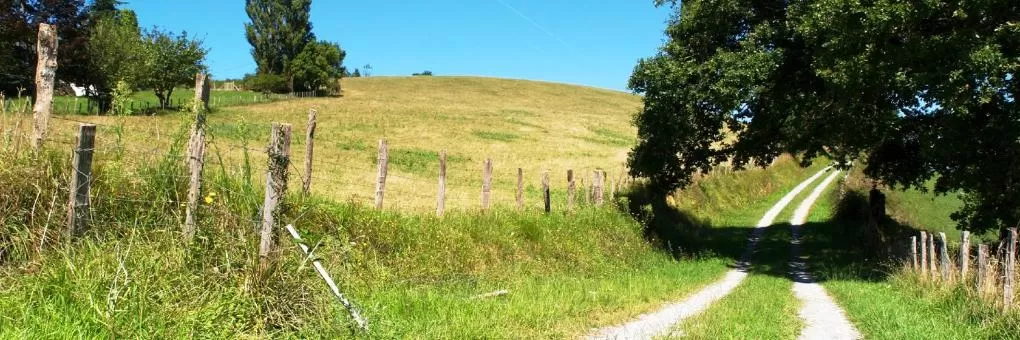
[(318, 64), (923, 88)]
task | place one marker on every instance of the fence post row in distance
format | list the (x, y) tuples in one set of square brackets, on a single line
[(520, 188), (944, 256), (934, 270), (45, 75), (1009, 270), (913, 252), (380, 184), (570, 189), (309, 146), (276, 187), (196, 155), (441, 196), (545, 191), (964, 254), (924, 252), (486, 183), (81, 181)]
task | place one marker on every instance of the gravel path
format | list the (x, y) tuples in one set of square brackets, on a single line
[(656, 323), (822, 317)]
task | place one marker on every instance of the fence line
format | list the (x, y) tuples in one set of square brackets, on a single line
[(990, 273)]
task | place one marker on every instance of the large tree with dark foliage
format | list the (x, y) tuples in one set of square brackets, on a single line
[(19, 28), (279, 30), (921, 90)]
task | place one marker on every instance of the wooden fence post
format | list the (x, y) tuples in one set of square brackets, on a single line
[(933, 268), (196, 162), (202, 92), (441, 196), (81, 181), (600, 187), (944, 256), (913, 252), (964, 254), (982, 267), (486, 183), (276, 187), (1009, 270), (520, 188), (924, 252), (380, 184), (612, 189), (545, 191), (570, 189), (45, 75), (309, 148)]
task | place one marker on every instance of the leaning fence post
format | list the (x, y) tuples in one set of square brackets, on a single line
[(196, 161), (1009, 270), (913, 252), (441, 196), (944, 256), (45, 74), (309, 148), (545, 191), (964, 254), (520, 188), (570, 189), (982, 267), (924, 252), (486, 183), (380, 184), (81, 181), (276, 187)]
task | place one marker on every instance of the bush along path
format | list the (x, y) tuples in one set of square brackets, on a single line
[(822, 317), (656, 323)]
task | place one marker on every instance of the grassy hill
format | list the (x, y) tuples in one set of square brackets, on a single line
[(532, 125)]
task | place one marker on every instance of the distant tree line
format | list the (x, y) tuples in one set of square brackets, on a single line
[(101, 49), (287, 55)]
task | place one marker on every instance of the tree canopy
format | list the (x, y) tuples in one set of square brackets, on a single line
[(318, 64), (921, 90), (278, 32), (19, 28), (170, 60)]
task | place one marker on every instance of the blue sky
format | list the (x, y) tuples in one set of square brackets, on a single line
[(594, 43)]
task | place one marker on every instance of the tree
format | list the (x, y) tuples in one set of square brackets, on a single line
[(368, 70), (921, 90), (425, 73), (115, 54), (320, 63), (170, 60), (356, 74), (279, 30), (19, 28)]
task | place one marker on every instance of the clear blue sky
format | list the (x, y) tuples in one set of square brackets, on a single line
[(595, 43)]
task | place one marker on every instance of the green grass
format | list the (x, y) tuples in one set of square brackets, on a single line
[(496, 136), (145, 102), (886, 302)]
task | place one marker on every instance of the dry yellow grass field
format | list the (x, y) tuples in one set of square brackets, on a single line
[(536, 126)]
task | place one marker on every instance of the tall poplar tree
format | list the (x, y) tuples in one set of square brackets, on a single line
[(279, 30)]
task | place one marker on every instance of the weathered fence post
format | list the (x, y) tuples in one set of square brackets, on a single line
[(570, 189), (944, 256), (924, 252), (520, 188), (202, 92), (913, 252), (441, 195), (545, 191), (612, 189), (45, 74), (600, 187), (276, 187), (309, 148), (81, 181), (1009, 270), (982, 267), (934, 270), (486, 183), (380, 184), (964, 254), (196, 156)]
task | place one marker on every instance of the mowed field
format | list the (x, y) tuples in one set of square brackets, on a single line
[(531, 125)]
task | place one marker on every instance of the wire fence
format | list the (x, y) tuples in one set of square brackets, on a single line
[(148, 103), (346, 180)]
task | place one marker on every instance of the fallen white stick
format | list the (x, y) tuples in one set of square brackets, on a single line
[(492, 294), (329, 280)]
